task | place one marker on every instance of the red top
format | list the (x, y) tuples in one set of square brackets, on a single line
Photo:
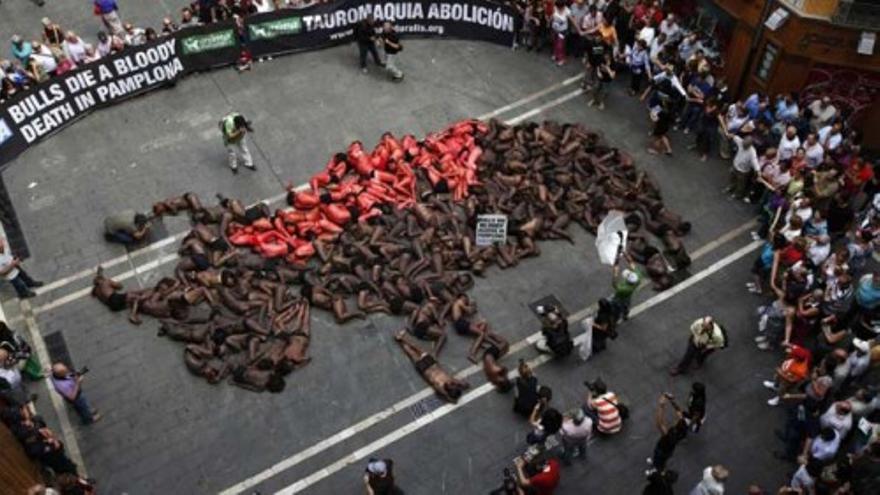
[(545, 482)]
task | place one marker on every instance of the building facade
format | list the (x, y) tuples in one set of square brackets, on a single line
[(813, 47)]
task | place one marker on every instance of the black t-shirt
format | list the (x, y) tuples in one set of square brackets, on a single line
[(596, 52), (674, 435), (364, 32), (391, 38), (658, 484), (526, 395)]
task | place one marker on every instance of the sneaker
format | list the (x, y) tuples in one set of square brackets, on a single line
[(96, 417), (686, 130), (234, 170), (770, 385), (591, 103), (749, 285), (764, 346), (27, 295), (601, 106), (251, 167), (747, 201), (773, 402), (755, 290), (649, 461), (36, 283), (755, 236), (364, 70), (760, 338)]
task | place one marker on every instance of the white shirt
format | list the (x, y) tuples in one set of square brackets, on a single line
[(11, 375), (788, 147), (647, 33), (75, 51), (822, 450), (581, 431), (46, 60), (709, 485), (802, 479), (5, 260), (263, 6), (671, 30), (833, 141), (840, 424), (818, 253), (745, 160), (815, 155)]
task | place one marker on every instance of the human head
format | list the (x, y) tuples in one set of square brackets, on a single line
[(4, 358), (102, 36), (747, 142), (598, 386), (387, 27), (60, 370), (46, 21), (140, 220), (16, 40), (239, 122), (791, 132), (524, 369), (72, 37), (842, 408), (719, 472)]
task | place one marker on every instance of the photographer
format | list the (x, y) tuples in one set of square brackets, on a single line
[(379, 478), (234, 128), (556, 338), (543, 479), (69, 386)]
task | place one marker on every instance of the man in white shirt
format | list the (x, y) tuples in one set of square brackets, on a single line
[(575, 432), (44, 57), (669, 27), (823, 112), (831, 136), (814, 151), (11, 270), (745, 165), (74, 47), (789, 143)]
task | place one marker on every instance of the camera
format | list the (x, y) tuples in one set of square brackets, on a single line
[(83, 370), (508, 485)]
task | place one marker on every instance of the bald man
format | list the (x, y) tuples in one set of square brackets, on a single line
[(68, 384)]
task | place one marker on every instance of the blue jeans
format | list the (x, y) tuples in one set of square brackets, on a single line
[(22, 283), (572, 447), (81, 406)]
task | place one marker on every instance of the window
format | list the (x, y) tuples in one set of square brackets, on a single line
[(766, 62)]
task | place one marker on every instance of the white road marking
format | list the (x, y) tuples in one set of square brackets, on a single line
[(530, 98), (380, 416), (364, 452), (535, 111), (164, 242), (39, 347)]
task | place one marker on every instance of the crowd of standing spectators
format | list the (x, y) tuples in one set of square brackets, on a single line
[(57, 50)]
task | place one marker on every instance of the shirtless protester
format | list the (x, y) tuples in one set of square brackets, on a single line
[(444, 384)]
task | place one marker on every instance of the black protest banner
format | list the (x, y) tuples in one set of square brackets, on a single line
[(32, 116), (333, 23)]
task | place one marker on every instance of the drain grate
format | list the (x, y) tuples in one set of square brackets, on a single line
[(56, 346), (426, 406)]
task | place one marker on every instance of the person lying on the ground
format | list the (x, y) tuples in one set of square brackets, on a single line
[(444, 384), (126, 227), (483, 336)]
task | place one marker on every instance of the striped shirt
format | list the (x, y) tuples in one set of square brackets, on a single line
[(609, 416)]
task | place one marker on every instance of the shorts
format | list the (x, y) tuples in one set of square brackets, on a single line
[(425, 362), (219, 244), (420, 330), (117, 302), (255, 212), (201, 261)]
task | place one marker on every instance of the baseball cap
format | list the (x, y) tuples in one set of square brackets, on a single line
[(377, 467)]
